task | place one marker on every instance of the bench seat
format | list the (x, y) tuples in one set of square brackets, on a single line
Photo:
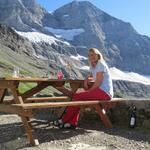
[(47, 98), (68, 103)]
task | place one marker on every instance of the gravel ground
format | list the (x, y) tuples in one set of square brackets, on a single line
[(87, 137)]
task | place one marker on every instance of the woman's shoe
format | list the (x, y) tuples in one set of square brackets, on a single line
[(57, 122), (67, 126)]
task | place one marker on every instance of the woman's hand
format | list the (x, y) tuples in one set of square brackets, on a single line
[(87, 82)]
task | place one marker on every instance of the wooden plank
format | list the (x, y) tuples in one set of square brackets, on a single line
[(62, 104), (28, 128), (64, 91), (17, 99), (41, 86), (26, 79), (58, 83), (56, 104), (2, 94), (6, 84), (34, 90), (46, 98), (103, 116), (8, 101), (15, 110), (76, 81)]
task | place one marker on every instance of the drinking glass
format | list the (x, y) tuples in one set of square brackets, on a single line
[(60, 75), (16, 72), (48, 75)]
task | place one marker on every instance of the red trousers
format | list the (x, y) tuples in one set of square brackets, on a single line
[(72, 113)]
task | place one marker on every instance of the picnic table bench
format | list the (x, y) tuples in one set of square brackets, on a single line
[(24, 104)]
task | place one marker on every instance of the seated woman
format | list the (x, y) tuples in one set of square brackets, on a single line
[(101, 89)]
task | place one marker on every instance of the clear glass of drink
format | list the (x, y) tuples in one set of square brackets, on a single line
[(48, 75), (16, 73)]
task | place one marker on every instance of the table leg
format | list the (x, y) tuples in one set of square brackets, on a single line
[(110, 105), (17, 98), (25, 120), (28, 128), (103, 116), (2, 95)]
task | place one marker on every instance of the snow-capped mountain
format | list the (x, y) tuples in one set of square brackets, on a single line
[(129, 76), (121, 45), (37, 37)]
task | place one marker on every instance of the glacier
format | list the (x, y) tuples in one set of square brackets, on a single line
[(66, 34), (37, 37)]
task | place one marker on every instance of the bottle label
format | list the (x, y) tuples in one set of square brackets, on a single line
[(132, 122)]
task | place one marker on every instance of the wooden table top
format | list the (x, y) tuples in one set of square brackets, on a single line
[(32, 79)]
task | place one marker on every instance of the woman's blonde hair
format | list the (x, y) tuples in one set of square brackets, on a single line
[(96, 51)]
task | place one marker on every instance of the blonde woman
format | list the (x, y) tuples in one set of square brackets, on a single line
[(101, 89)]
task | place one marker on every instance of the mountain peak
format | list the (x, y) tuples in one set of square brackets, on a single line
[(78, 3), (79, 8), (23, 15)]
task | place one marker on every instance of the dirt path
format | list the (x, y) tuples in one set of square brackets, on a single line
[(86, 137)]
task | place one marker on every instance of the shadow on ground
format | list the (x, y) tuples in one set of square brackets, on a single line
[(13, 136), (120, 131)]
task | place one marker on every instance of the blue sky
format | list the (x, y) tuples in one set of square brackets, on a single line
[(137, 12)]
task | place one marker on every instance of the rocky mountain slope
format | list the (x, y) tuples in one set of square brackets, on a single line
[(22, 15), (131, 89), (17, 51), (122, 46), (33, 59)]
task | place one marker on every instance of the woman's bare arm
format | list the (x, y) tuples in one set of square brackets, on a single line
[(99, 79), (87, 81)]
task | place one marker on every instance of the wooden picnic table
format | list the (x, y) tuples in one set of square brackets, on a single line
[(21, 104)]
